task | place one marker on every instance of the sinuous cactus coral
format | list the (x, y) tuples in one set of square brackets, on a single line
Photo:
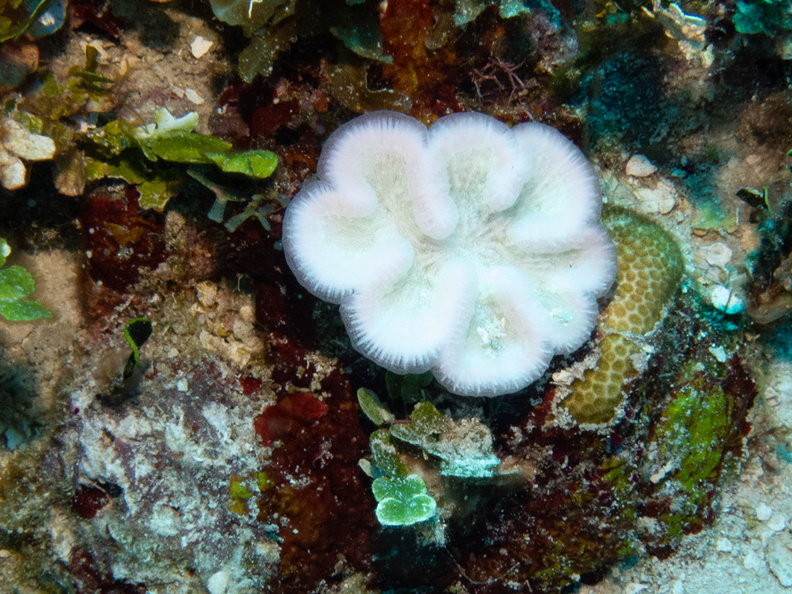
[(469, 249)]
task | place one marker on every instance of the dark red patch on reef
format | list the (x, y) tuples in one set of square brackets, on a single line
[(293, 414), (317, 495), (250, 385), (429, 78), (282, 306), (120, 238), (87, 501), (90, 577)]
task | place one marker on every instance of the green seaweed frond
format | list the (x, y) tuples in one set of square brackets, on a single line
[(16, 284)]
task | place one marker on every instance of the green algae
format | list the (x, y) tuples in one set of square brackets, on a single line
[(16, 284), (402, 501)]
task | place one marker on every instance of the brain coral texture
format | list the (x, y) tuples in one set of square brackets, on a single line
[(468, 248)]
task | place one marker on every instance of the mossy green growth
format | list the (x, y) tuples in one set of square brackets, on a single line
[(373, 408), (463, 447), (240, 493), (402, 501), (692, 431), (238, 489), (688, 445), (385, 457), (16, 284)]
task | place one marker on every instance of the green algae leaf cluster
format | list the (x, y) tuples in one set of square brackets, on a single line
[(16, 283), (461, 449), (123, 152), (402, 501), (373, 408), (254, 163)]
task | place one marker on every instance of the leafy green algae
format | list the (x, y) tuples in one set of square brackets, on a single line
[(16, 284)]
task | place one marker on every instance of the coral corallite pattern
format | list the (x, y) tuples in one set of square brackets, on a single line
[(650, 268), (597, 397), (468, 248)]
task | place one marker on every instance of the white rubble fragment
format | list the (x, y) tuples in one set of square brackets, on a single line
[(725, 300), (193, 96), (18, 144), (659, 199), (182, 385), (724, 545), (777, 523), (717, 254), (639, 166), (218, 583), (719, 353), (752, 560), (13, 174), (200, 46), (563, 377), (763, 512), (779, 558)]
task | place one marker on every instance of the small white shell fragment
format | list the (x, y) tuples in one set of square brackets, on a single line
[(717, 254), (725, 300), (763, 512), (639, 166), (193, 96), (182, 386), (724, 545), (563, 378), (719, 353), (200, 46)]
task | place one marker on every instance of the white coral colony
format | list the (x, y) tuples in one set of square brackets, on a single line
[(470, 249)]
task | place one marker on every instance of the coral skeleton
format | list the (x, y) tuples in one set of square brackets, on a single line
[(468, 248)]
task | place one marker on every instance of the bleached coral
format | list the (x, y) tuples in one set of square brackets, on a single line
[(470, 249)]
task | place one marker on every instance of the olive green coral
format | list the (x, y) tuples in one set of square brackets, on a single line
[(599, 394), (650, 268)]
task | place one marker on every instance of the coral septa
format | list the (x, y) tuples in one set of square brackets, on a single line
[(563, 184), (480, 157), (382, 156), (571, 316), (334, 244), (504, 348), (401, 322), (585, 264)]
